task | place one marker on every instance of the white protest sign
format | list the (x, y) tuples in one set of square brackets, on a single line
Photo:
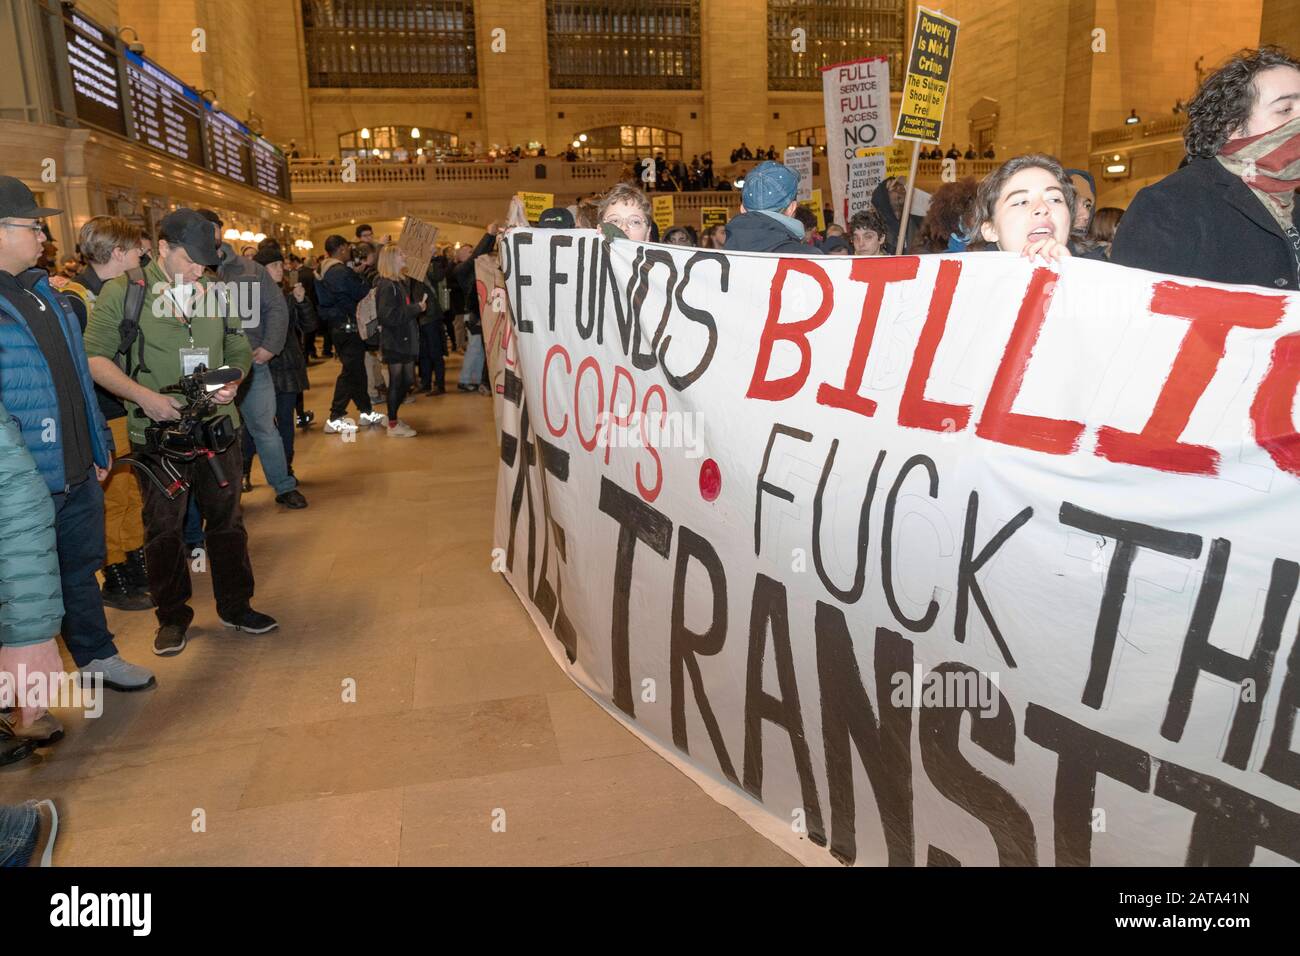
[(799, 158), (855, 97), (865, 174), (962, 559)]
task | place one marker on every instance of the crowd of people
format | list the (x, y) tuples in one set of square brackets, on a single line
[(89, 352)]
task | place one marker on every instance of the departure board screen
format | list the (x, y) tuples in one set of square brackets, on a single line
[(96, 87), (126, 93), (167, 114)]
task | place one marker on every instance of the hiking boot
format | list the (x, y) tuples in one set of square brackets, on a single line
[(253, 622), (120, 592), (170, 640)]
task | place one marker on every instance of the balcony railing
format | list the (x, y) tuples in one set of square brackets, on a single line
[(523, 175), (1164, 127)]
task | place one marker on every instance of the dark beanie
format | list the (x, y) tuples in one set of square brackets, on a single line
[(268, 251)]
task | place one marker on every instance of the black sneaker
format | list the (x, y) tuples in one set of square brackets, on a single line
[(169, 641), (120, 592), (305, 420), (292, 499), (254, 622)]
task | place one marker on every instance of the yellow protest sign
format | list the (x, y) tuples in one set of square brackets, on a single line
[(711, 216), (925, 89), (536, 203), (663, 212), (898, 158), (814, 206)]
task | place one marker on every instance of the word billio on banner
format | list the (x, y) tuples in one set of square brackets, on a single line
[(965, 532)]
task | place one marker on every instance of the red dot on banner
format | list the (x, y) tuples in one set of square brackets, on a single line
[(710, 480)]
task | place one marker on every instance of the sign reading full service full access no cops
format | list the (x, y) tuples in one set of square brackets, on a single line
[(925, 90)]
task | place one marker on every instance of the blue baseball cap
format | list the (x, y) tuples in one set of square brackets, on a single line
[(770, 186)]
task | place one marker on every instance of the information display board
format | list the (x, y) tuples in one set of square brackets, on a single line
[(125, 93)]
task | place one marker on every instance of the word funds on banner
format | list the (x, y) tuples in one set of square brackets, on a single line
[(919, 560), (925, 89)]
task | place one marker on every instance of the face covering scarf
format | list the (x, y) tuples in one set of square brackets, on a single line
[(1270, 165)]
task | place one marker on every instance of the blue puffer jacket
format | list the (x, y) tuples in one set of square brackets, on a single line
[(27, 388)]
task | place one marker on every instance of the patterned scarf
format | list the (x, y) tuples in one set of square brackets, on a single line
[(1270, 165)]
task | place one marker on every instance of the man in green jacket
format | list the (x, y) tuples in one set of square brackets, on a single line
[(184, 323), (31, 600)]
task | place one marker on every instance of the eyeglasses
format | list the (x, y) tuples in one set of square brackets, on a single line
[(635, 222), (36, 227)]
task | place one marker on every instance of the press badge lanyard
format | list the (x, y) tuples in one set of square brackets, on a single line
[(191, 358)]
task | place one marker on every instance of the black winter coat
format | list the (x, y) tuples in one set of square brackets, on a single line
[(755, 232), (397, 305), (1205, 223), (465, 275), (289, 367)]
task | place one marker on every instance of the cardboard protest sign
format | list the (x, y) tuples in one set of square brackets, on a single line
[(855, 97), (800, 159), (417, 241), (925, 88), (536, 203), (662, 210), (919, 560)]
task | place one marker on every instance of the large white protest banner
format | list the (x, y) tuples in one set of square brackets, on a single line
[(855, 97), (952, 559)]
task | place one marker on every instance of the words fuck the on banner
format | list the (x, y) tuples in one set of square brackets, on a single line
[(919, 561)]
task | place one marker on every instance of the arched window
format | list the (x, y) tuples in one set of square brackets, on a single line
[(628, 143), (382, 142)]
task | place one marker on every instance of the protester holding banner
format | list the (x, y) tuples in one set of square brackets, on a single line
[(1230, 214), (473, 371), (628, 209), (767, 208), (1026, 205)]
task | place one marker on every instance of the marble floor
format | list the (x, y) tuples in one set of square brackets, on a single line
[(247, 754)]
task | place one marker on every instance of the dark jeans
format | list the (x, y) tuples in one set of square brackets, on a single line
[(286, 410), (167, 557), (351, 385), (79, 529), (400, 377), (433, 349)]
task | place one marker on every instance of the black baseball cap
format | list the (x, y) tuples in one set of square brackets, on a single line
[(188, 229), (557, 217), (17, 201)]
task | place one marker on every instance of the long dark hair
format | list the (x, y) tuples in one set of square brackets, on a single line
[(1225, 99)]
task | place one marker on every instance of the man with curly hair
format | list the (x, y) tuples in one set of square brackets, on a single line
[(1229, 215)]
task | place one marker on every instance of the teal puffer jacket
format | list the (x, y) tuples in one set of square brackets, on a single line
[(31, 600)]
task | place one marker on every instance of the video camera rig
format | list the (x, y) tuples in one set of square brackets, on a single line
[(192, 436)]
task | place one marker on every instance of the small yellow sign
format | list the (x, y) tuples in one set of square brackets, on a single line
[(663, 213), (536, 203), (814, 206)]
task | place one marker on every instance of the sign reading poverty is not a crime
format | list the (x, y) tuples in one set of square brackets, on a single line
[(919, 560), (925, 88)]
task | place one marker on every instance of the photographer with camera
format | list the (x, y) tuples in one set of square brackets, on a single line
[(339, 289), (47, 387), (162, 331)]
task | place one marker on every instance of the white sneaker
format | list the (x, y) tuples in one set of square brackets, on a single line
[(401, 430), (340, 425), (373, 418)]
